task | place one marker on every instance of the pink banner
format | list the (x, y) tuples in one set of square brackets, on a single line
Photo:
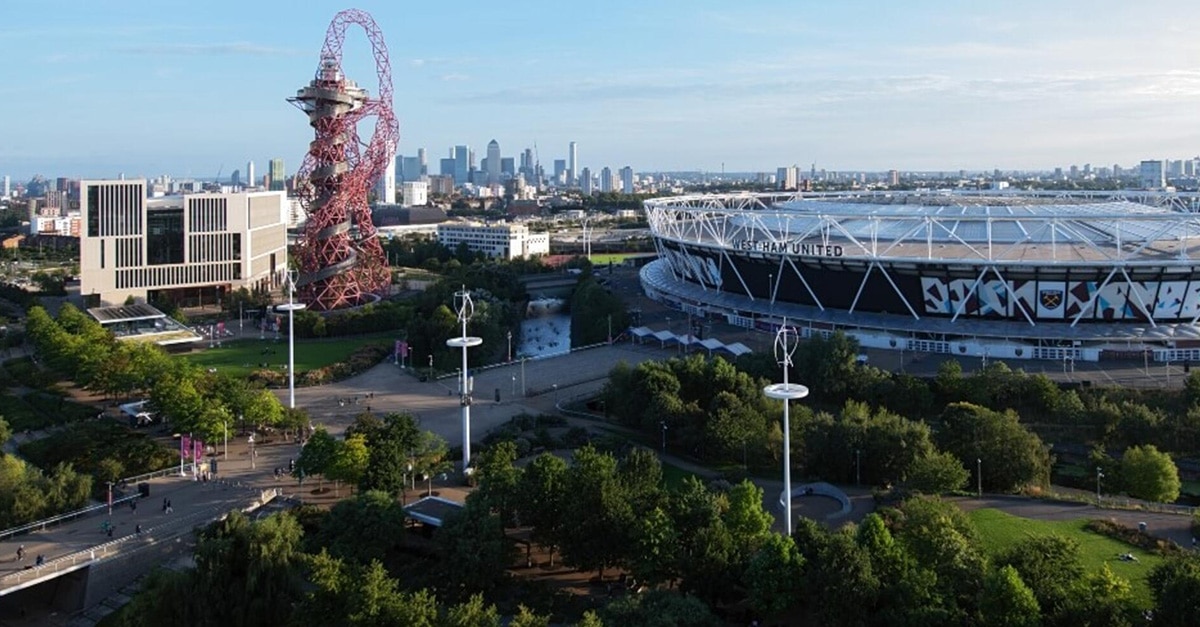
[(198, 453), (221, 328), (404, 349), (185, 447)]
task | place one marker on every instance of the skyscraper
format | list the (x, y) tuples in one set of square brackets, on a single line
[(493, 163), (585, 182), (411, 169), (507, 168), (572, 163), (7, 186), (236, 178), (461, 167), (250, 182), (277, 176), (626, 180), (606, 180), (560, 171), (423, 161)]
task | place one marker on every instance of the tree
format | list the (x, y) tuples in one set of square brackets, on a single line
[(1149, 474), (598, 513), (590, 619), (1007, 601), (471, 613), (498, 479), (349, 460), (317, 456), (659, 608), (1175, 586), (542, 495), (653, 559), (936, 473), (774, 577), (474, 551), (1049, 565), (747, 521), (5, 433), (526, 618), (367, 527), (1012, 456), (1102, 599), (391, 451)]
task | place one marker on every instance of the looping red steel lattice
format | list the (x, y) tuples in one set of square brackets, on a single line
[(341, 261)]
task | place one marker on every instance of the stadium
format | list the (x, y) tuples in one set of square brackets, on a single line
[(1011, 275)]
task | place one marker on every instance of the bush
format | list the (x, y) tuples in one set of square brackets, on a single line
[(576, 437), (550, 420), (28, 374), (1135, 537)]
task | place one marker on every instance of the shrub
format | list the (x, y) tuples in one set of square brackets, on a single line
[(1135, 537)]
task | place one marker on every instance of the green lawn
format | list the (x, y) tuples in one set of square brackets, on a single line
[(603, 259), (241, 357), (999, 530)]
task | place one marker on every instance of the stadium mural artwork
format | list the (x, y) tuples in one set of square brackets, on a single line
[(1045, 270)]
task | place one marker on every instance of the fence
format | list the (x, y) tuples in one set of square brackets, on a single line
[(40, 525)]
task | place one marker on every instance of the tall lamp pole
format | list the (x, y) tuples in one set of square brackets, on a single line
[(1099, 476), (466, 309), (979, 475), (291, 307), (786, 341)]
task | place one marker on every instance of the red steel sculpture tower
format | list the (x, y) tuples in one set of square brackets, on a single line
[(341, 261)]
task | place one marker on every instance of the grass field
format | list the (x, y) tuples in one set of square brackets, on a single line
[(999, 530), (241, 357), (673, 476), (603, 259)]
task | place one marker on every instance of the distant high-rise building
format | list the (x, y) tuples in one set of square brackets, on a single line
[(893, 177), (411, 169), (277, 176), (1074, 172), (507, 168), (585, 181), (493, 163), (560, 171), (7, 186), (1153, 174), (606, 180), (462, 164), (385, 187), (250, 182), (626, 180), (235, 179), (572, 163), (423, 160), (446, 167), (1058, 173), (788, 178), (528, 167)]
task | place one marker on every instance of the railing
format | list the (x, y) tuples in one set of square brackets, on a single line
[(39, 525)]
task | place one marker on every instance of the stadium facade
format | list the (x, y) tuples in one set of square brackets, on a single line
[(1019, 276)]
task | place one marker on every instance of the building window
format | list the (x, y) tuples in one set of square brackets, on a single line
[(164, 236)]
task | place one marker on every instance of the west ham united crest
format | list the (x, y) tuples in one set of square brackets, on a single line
[(1050, 299)]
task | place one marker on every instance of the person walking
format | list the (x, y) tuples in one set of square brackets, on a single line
[(21, 553)]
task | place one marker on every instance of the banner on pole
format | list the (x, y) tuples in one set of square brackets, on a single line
[(185, 447)]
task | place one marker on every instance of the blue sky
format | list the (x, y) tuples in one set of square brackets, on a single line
[(96, 87)]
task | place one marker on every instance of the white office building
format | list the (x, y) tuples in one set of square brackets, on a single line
[(192, 248), (385, 187), (414, 193), (503, 241)]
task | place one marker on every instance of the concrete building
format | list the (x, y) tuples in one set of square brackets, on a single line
[(606, 179), (193, 249), (250, 182), (504, 241), (462, 164), (415, 193), (585, 182), (385, 187)]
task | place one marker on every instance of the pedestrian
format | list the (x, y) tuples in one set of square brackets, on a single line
[(137, 529), (169, 508), (133, 506), (110, 530), (41, 559), (21, 553)]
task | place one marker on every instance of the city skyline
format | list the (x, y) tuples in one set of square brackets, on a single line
[(146, 89)]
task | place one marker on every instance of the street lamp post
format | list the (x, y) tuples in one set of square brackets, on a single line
[(979, 475), (523, 393), (110, 485), (787, 340), (509, 335), (1099, 476), (291, 307), (431, 367), (770, 296), (857, 467), (466, 308), (664, 438), (514, 385)]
